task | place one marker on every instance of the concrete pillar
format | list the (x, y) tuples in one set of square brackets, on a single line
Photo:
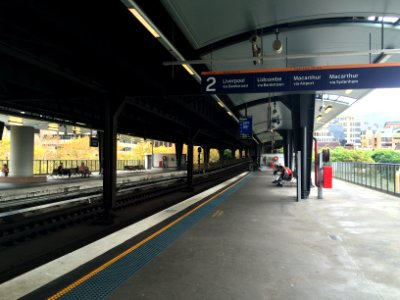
[(112, 109), (221, 156), (206, 157), (21, 151), (178, 155), (233, 151), (190, 161)]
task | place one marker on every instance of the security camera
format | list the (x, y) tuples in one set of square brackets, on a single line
[(255, 48), (277, 44)]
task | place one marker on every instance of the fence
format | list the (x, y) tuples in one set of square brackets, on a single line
[(43, 167), (382, 177), (46, 167)]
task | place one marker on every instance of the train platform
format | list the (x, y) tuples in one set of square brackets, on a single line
[(244, 239), (60, 184)]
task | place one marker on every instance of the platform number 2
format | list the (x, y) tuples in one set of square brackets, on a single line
[(211, 81)]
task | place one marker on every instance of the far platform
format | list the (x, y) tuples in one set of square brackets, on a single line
[(59, 184)]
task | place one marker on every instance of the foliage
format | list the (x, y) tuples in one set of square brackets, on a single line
[(340, 154), (4, 149), (386, 156), (214, 155), (228, 154)]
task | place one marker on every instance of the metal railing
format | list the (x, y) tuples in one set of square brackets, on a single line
[(381, 177), (46, 167)]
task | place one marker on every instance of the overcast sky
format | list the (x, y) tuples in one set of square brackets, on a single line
[(379, 106)]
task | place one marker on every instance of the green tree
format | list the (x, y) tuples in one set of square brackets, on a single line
[(228, 154), (340, 154), (5, 149), (386, 156)]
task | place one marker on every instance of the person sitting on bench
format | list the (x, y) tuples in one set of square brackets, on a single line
[(84, 170), (4, 170), (284, 174), (61, 171)]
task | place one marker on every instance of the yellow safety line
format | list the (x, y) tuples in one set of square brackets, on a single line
[(215, 213), (126, 252)]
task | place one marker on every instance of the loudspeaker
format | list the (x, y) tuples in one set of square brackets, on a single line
[(1, 130)]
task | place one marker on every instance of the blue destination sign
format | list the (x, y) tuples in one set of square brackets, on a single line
[(302, 79), (246, 127)]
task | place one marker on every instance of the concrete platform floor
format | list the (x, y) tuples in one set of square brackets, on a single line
[(261, 244)]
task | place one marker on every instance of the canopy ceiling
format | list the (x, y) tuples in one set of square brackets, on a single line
[(219, 33)]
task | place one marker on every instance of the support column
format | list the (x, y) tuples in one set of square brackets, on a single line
[(112, 109), (221, 156), (178, 155), (100, 134), (233, 151), (304, 153), (302, 107), (21, 151), (288, 148), (190, 161), (259, 152), (206, 158)]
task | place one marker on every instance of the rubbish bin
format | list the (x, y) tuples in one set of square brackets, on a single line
[(327, 177)]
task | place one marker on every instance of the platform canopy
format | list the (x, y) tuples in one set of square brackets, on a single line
[(241, 35), (66, 62)]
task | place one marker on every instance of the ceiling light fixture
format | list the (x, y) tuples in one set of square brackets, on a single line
[(348, 92), (319, 117), (382, 58), (53, 126), (76, 130), (188, 69), (328, 109), (15, 121), (221, 103), (144, 22)]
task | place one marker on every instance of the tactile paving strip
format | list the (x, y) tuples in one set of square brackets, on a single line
[(100, 284)]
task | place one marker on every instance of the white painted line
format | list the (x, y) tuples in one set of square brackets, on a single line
[(36, 278)]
